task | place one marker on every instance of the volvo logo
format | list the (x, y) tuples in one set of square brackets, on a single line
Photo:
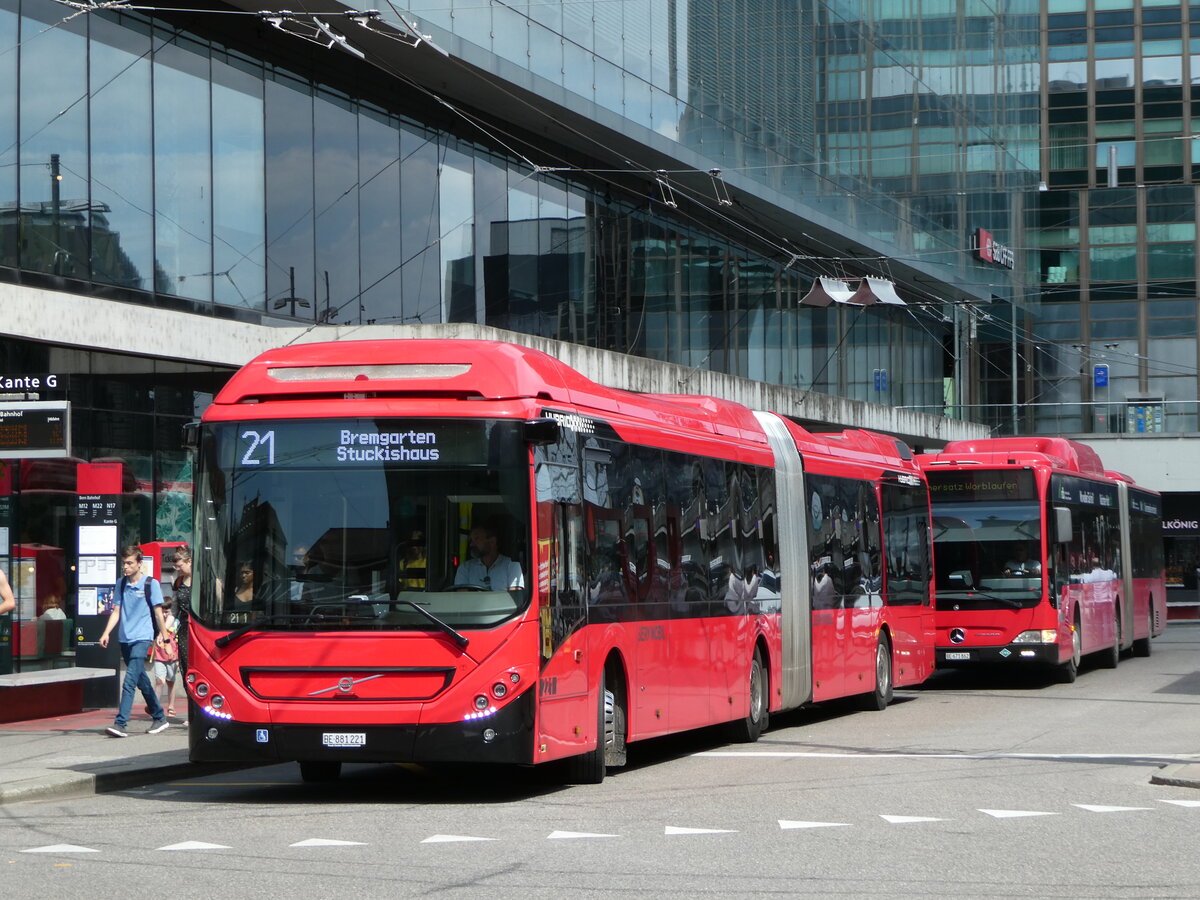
[(344, 685), (957, 635)]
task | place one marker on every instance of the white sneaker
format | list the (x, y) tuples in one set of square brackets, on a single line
[(161, 725)]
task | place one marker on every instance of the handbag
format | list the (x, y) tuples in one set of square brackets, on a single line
[(168, 651)]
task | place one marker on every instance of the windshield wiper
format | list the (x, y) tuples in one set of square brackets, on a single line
[(257, 624), (972, 593), (458, 638)]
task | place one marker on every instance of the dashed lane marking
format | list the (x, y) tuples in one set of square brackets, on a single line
[(1147, 758), (670, 830)]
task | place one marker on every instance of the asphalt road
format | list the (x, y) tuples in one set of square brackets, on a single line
[(972, 786)]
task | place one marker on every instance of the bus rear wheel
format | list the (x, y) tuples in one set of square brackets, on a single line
[(318, 770), (1111, 657), (749, 729), (879, 698), (1141, 646)]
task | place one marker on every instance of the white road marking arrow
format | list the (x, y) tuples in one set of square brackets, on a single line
[(671, 829), (1103, 809), (787, 823), (453, 839), (904, 820), (195, 845), (1014, 813), (61, 848), (569, 835), (1182, 802), (324, 842)]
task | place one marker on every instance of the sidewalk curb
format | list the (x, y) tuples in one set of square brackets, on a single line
[(1178, 775), (67, 784)]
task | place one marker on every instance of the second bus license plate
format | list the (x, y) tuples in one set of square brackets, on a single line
[(343, 739), (958, 655)]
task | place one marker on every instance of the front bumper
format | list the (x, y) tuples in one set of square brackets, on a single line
[(211, 739), (1007, 654)]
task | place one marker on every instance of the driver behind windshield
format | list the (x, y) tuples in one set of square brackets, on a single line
[(1021, 564), (488, 568)]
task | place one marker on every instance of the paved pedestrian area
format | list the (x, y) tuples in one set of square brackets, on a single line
[(71, 755)]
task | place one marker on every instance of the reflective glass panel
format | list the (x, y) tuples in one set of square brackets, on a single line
[(239, 183), (122, 156), (336, 196), (54, 166), (182, 171), (291, 290)]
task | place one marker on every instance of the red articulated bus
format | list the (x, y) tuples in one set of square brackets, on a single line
[(446, 550), (1042, 555)]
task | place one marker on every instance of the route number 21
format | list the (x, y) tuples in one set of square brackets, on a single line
[(264, 441)]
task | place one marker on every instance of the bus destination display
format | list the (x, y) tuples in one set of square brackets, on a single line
[(345, 443)]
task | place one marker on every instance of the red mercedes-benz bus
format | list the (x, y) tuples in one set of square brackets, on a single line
[(444, 550), (1042, 555)]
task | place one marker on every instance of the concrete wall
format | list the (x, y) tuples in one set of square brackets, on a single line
[(1165, 463), (86, 322)]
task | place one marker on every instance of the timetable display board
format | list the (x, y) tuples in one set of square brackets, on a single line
[(35, 429)]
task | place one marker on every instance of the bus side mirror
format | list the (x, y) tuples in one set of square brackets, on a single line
[(1062, 525), (191, 435), (962, 577), (540, 432)]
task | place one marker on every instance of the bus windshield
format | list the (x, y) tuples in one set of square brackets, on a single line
[(990, 550), (353, 524)]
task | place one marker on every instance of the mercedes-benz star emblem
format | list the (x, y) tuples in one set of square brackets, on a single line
[(957, 635)]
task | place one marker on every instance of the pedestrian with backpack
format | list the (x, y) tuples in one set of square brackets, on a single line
[(137, 609)]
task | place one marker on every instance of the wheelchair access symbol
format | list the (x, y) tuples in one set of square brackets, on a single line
[(260, 735)]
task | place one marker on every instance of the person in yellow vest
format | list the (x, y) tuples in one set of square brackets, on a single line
[(413, 563)]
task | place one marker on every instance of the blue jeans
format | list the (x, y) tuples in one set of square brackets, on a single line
[(135, 677)]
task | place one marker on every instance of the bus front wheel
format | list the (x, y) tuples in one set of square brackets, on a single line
[(1069, 671), (879, 698)]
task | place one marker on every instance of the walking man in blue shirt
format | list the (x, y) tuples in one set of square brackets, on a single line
[(136, 594)]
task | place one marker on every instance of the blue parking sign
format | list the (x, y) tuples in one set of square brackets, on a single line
[(1100, 375)]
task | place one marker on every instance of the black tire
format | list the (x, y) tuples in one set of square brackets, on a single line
[(878, 699), (318, 770), (591, 767), (1111, 658), (1141, 646), (749, 729), (1067, 672)]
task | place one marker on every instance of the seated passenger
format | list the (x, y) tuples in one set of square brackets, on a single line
[(488, 568)]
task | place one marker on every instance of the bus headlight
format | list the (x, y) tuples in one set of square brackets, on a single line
[(1045, 636)]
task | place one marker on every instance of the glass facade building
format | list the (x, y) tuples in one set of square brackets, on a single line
[(1114, 342), (660, 178)]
